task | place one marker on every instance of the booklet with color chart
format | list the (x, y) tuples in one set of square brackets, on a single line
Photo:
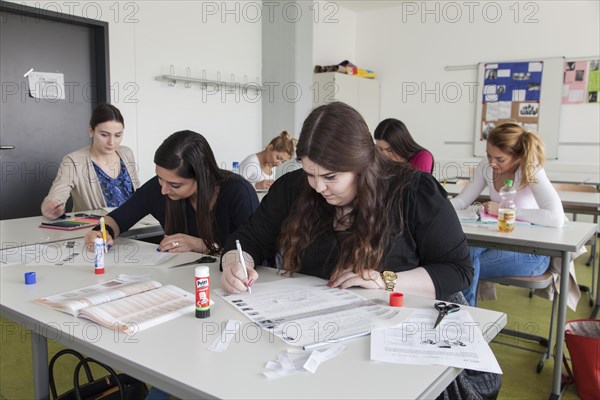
[(123, 304), (70, 224)]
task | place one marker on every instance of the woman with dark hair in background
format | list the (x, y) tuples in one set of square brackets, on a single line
[(395, 141), (197, 203), (101, 175)]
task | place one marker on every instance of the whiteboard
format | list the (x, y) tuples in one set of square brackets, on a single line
[(544, 108)]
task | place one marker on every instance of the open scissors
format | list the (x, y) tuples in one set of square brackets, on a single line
[(444, 309)]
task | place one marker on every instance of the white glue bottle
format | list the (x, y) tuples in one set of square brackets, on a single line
[(98, 256)]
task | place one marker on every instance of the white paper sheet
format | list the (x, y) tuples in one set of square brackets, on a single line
[(46, 85), (303, 313), (456, 342), (125, 252)]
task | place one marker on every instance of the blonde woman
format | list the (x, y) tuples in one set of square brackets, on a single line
[(259, 168), (514, 153)]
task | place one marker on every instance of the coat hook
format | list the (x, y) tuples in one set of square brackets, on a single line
[(188, 84), (172, 73), (204, 79)]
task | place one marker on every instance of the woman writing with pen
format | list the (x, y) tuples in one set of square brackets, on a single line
[(103, 174), (358, 219), (197, 204), (353, 217)]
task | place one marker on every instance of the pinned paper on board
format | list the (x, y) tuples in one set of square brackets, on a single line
[(46, 85)]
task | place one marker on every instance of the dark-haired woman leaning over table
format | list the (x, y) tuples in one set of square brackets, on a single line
[(197, 203)]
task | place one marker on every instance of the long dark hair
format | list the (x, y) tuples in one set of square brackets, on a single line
[(105, 112), (399, 138), (190, 156), (336, 137)]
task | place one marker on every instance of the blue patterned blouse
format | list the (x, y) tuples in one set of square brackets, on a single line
[(116, 191)]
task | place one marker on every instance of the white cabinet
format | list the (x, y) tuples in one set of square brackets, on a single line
[(360, 93)]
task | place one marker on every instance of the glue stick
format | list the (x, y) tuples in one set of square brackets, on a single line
[(202, 283), (98, 256)]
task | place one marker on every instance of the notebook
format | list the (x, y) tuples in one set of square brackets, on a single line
[(70, 224)]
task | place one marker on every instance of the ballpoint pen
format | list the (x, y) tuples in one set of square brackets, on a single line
[(103, 231), (239, 249)]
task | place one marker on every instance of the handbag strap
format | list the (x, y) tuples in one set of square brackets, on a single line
[(84, 363), (55, 358), (569, 378)]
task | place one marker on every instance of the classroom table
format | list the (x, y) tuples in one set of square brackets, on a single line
[(26, 231), (578, 178), (174, 356), (569, 199), (535, 239)]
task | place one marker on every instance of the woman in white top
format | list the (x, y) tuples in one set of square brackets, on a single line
[(259, 168), (517, 154)]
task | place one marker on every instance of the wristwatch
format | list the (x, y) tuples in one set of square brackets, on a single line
[(389, 278)]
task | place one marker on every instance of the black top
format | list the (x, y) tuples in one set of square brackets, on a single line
[(236, 201), (432, 237)]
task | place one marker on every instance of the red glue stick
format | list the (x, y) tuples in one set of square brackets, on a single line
[(202, 284)]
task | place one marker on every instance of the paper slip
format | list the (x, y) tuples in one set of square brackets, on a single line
[(294, 361), (221, 343), (456, 342)]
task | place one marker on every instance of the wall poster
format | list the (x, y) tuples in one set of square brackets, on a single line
[(528, 92)]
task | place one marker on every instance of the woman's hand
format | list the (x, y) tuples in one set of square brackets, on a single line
[(92, 235), (264, 184), (491, 207), (370, 279), (179, 243), (233, 278), (53, 208)]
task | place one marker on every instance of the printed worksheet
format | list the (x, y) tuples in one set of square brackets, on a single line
[(305, 313), (456, 342)]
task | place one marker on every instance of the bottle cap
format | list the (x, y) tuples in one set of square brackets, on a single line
[(508, 182), (30, 278), (396, 299), (203, 313)]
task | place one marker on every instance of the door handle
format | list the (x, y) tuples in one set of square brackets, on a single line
[(7, 147)]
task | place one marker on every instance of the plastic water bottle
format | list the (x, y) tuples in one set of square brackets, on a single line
[(236, 167), (507, 213)]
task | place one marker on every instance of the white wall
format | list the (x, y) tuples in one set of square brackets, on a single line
[(334, 33), (409, 46), (146, 38)]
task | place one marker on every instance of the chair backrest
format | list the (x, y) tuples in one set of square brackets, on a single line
[(573, 187), (529, 282)]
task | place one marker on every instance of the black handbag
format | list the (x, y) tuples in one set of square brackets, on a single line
[(110, 387)]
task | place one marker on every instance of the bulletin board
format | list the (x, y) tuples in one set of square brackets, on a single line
[(527, 92)]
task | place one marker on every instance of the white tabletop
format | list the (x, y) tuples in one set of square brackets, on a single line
[(175, 357), (544, 240), (26, 231), (568, 198), (587, 178)]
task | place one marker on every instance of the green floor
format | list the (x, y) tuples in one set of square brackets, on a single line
[(520, 380)]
